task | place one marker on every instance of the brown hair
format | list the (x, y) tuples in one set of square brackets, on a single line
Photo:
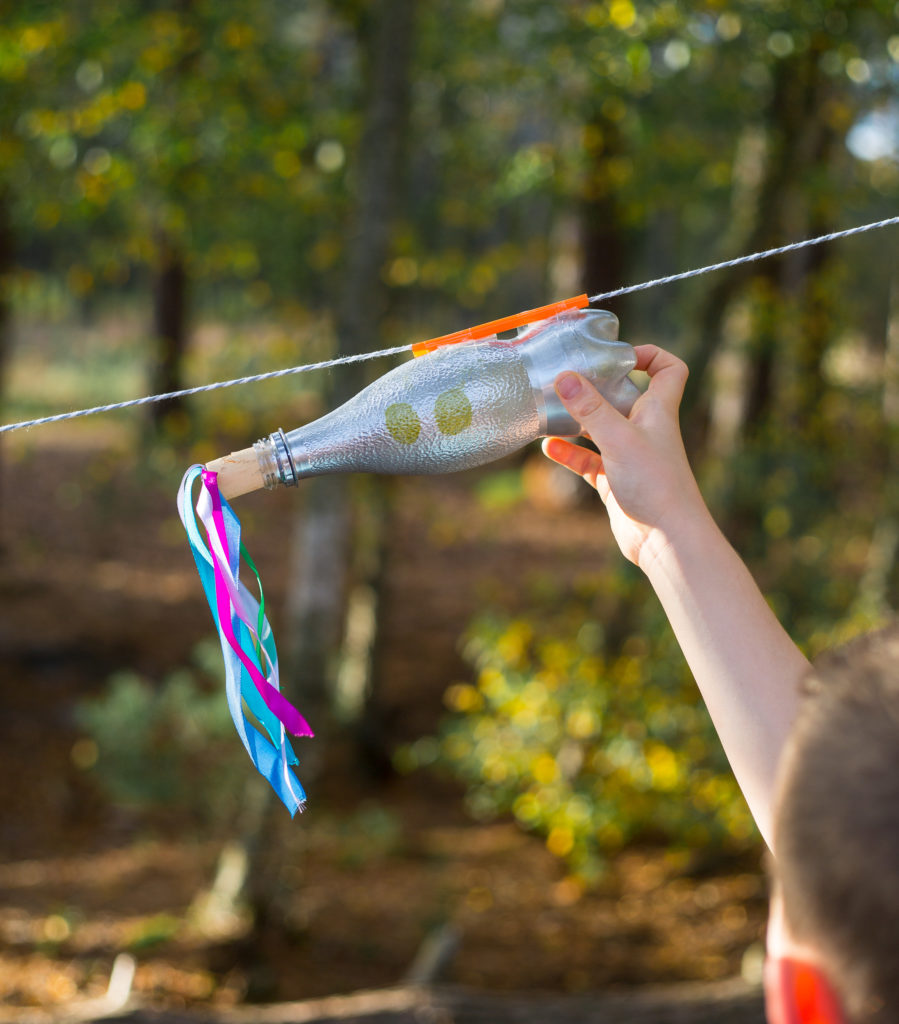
[(836, 836)]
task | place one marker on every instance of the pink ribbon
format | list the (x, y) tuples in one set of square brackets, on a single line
[(274, 700)]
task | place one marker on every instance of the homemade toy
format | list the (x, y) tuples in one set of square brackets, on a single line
[(469, 398)]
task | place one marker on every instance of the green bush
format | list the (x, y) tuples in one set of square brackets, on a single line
[(588, 742), (168, 745)]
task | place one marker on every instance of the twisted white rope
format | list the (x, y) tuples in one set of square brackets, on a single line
[(362, 357), (147, 399), (763, 255)]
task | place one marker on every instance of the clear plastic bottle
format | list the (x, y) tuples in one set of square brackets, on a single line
[(458, 407)]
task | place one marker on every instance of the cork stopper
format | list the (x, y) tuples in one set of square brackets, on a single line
[(238, 473)]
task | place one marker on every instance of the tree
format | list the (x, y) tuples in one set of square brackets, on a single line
[(31, 44), (324, 533), (166, 143)]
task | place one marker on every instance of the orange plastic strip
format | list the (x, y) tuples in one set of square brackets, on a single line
[(506, 323)]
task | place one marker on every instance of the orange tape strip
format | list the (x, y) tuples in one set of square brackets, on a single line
[(506, 323)]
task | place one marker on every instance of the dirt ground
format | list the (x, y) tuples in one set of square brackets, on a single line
[(95, 576)]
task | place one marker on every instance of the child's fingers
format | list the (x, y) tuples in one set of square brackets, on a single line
[(599, 418), (668, 374), (583, 461)]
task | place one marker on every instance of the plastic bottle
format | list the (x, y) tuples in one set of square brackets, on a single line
[(457, 407)]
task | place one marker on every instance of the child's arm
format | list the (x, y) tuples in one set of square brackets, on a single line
[(746, 666)]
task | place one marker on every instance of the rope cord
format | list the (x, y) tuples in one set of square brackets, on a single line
[(147, 399), (362, 357), (740, 260)]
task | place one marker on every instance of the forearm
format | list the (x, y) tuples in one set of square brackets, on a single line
[(746, 666)]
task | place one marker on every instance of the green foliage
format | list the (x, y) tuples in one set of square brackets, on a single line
[(230, 133), (130, 131), (588, 742), (804, 514), (157, 930), (370, 833), (500, 490), (168, 745)]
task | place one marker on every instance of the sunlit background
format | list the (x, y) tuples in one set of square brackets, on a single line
[(511, 754)]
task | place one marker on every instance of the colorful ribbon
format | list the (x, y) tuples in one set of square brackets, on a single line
[(248, 645)]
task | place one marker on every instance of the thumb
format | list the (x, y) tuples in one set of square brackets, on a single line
[(599, 418)]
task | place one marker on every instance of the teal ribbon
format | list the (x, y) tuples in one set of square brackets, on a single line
[(260, 730)]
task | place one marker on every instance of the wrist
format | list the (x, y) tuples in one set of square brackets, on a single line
[(684, 534)]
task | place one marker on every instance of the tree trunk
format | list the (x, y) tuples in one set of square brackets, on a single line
[(795, 127), (604, 245), (876, 594), (323, 539), (6, 266), (816, 330), (760, 382), (169, 329), (808, 142), (322, 547), (817, 312)]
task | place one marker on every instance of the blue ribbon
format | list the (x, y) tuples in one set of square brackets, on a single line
[(268, 747)]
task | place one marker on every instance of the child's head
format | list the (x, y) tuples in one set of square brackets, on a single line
[(836, 837)]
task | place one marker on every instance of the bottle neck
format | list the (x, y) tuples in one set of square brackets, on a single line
[(275, 462)]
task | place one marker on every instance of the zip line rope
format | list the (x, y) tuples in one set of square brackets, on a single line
[(147, 399), (740, 260), (362, 357)]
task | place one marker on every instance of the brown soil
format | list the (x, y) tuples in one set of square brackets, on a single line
[(96, 577)]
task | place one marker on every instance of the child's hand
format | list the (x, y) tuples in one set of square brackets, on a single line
[(642, 475)]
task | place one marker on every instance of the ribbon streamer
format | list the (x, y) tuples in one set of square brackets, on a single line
[(262, 715)]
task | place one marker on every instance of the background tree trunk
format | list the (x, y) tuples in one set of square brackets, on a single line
[(877, 587), (6, 266), (792, 148), (817, 308), (604, 244), (170, 332), (322, 547)]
